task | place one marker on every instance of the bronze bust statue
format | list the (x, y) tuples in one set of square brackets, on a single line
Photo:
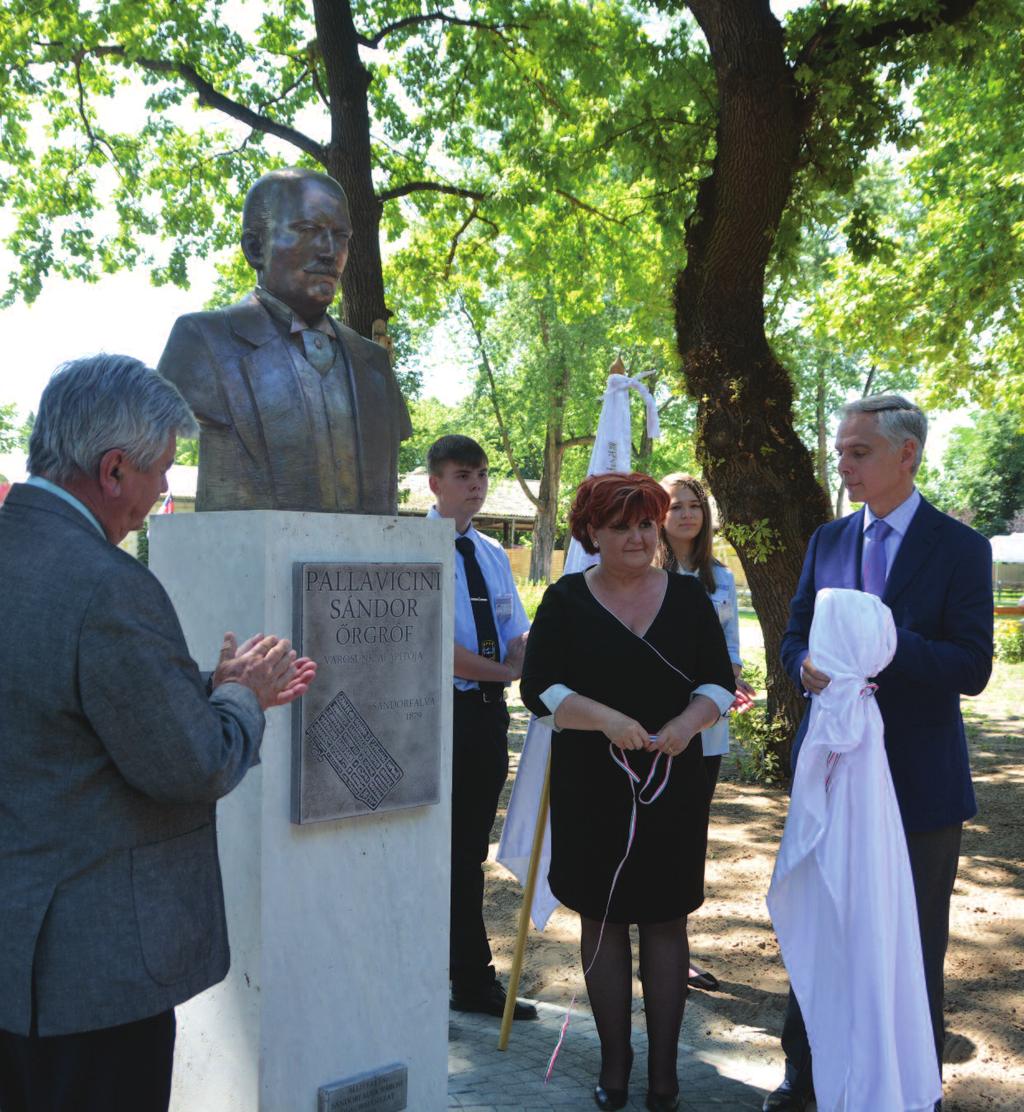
[(296, 411)]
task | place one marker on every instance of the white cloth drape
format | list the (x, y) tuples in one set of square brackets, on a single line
[(612, 451), (842, 896)]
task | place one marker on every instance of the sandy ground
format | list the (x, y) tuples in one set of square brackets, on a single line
[(732, 935)]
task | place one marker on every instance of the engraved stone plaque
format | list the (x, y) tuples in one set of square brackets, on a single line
[(366, 737), (383, 1090)]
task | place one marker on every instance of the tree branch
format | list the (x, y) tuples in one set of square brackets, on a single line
[(473, 215), (505, 441), (577, 442), (428, 186), (94, 140), (373, 41), (210, 97), (577, 203), (886, 32)]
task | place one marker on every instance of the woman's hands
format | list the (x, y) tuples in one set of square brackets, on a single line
[(625, 732), (673, 738)]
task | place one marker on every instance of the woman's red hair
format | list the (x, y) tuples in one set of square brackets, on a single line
[(615, 499)]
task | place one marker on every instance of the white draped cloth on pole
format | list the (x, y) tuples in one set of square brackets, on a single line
[(842, 895), (612, 451)]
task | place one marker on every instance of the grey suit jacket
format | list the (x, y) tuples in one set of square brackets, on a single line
[(112, 755), (234, 368)]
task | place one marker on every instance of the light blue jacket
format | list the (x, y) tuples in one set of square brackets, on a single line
[(715, 738)]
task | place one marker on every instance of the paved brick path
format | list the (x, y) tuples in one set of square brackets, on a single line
[(483, 1079)]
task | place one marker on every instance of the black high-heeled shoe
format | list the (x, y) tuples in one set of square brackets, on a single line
[(661, 1102), (612, 1099)]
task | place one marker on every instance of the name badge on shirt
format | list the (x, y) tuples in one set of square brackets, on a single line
[(503, 608)]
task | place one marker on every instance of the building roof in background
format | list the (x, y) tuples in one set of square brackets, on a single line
[(505, 497)]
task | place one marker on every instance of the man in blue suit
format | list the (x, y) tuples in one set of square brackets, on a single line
[(935, 575)]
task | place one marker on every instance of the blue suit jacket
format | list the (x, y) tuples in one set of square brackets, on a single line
[(940, 592)]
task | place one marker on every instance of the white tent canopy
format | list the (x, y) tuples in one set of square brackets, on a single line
[(1008, 548)]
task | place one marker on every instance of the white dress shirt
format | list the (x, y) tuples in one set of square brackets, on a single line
[(83, 509), (898, 521), (510, 618)]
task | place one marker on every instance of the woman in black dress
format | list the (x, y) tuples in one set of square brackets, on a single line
[(630, 665)]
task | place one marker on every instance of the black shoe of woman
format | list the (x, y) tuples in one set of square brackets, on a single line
[(614, 1098), (610, 1098), (657, 1102)]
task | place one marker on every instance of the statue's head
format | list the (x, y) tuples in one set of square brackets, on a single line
[(295, 235)]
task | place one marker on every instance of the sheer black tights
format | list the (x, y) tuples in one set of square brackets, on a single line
[(664, 962)]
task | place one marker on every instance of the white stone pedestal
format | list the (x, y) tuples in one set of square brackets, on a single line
[(338, 930)]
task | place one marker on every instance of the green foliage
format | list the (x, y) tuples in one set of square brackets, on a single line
[(9, 434), (758, 739), (1009, 641), (187, 453), (142, 544), (929, 243), (430, 420), (982, 476), (757, 540), (530, 593)]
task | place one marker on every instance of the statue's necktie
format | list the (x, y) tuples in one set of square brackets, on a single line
[(874, 567), (486, 631), (318, 349)]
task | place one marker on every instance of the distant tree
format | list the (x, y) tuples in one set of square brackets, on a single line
[(25, 432), (187, 453), (9, 432), (982, 477)]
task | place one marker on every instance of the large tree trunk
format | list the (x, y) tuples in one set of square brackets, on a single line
[(758, 469), (349, 161)]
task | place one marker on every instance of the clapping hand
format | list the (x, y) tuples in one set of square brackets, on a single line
[(268, 666)]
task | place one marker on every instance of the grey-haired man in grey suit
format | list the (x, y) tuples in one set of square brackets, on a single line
[(113, 752)]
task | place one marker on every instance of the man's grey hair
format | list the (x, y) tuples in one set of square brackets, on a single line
[(101, 402), (258, 201), (898, 420)]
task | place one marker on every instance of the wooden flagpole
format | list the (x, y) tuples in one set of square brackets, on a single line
[(524, 911)]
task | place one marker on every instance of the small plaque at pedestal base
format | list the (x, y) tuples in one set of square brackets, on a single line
[(366, 737), (383, 1090)]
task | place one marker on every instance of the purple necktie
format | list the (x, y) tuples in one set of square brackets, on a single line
[(874, 567)]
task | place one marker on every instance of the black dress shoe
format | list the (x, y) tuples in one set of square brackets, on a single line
[(706, 981), (490, 1001), (610, 1098), (662, 1102), (614, 1098), (787, 1099)]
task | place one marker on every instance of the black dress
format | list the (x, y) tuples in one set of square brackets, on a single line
[(578, 642)]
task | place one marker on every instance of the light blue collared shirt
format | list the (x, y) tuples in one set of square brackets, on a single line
[(45, 484), (899, 522), (510, 618)]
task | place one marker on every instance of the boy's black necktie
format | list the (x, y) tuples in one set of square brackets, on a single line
[(486, 632)]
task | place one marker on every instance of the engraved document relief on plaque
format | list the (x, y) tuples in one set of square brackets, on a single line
[(366, 737)]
